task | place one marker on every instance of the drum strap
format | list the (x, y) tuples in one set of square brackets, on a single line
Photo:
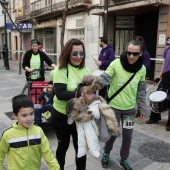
[(118, 91)]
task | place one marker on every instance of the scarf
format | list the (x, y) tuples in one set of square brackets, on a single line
[(135, 67)]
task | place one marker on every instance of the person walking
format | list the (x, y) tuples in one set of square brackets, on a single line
[(129, 70), (5, 57), (33, 63), (163, 85), (147, 61), (24, 143), (105, 58), (67, 76)]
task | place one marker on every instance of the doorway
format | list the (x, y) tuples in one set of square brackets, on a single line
[(124, 32), (146, 25)]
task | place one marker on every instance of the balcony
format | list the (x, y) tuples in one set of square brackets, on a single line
[(119, 2), (23, 14), (41, 8), (129, 7)]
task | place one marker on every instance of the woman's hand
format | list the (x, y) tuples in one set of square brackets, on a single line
[(98, 63), (141, 117), (31, 69), (53, 65), (87, 96), (157, 80)]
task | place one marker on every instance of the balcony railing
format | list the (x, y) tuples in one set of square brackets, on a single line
[(39, 7), (119, 2)]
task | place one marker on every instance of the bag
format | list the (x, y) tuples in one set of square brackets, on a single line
[(117, 92)]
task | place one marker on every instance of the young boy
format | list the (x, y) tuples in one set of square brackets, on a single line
[(24, 143), (47, 96)]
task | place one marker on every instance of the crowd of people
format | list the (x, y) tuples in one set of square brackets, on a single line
[(124, 79)]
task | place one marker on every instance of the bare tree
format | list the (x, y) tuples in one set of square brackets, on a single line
[(63, 24)]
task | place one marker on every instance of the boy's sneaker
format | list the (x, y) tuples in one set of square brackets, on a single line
[(105, 160), (123, 164)]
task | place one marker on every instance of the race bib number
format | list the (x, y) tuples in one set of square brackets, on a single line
[(35, 74), (128, 122)]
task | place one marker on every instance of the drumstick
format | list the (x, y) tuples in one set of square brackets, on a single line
[(93, 58), (149, 87)]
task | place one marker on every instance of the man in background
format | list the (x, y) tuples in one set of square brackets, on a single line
[(164, 85), (106, 56), (5, 57)]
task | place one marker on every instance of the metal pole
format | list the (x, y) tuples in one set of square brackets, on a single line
[(105, 18), (6, 42)]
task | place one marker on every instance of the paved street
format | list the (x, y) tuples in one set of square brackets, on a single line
[(150, 146)]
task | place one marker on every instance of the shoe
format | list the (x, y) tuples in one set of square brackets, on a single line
[(150, 121), (168, 125), (123, 164), (105, 160)]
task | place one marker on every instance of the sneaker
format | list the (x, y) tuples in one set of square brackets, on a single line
[(150, 121), (105, 160), (168, 125), (123, 164)]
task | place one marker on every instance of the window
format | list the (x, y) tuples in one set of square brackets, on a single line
[(47, 2), (77, 33)]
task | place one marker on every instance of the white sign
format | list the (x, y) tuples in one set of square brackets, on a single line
[(162, 38)]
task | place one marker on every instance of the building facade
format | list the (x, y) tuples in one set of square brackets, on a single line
[(46, 19), (86, 20), (148, 18)]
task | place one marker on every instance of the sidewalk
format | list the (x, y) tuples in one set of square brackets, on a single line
[(150, 145)]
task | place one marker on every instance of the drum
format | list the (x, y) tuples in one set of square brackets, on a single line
[(158, 102)]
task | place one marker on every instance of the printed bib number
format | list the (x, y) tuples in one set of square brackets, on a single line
[(35, 74), (128, 122)]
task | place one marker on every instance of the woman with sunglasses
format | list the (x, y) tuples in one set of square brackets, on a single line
[(117, 74), (67, 76)]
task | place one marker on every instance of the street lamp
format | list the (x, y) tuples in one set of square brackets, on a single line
[(4, 5)]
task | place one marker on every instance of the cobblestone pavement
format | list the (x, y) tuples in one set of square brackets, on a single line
[(150, 149)]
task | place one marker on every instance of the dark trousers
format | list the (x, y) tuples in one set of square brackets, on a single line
[(6, 62), (64, 132), (126, 135)]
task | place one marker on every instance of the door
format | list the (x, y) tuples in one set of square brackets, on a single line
[(148, 30), (124, 32), (49, 46)]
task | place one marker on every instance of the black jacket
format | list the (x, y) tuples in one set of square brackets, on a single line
[(5, 52)]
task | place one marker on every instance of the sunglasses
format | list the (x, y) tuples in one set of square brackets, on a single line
[(135, 54), (81, 53)]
